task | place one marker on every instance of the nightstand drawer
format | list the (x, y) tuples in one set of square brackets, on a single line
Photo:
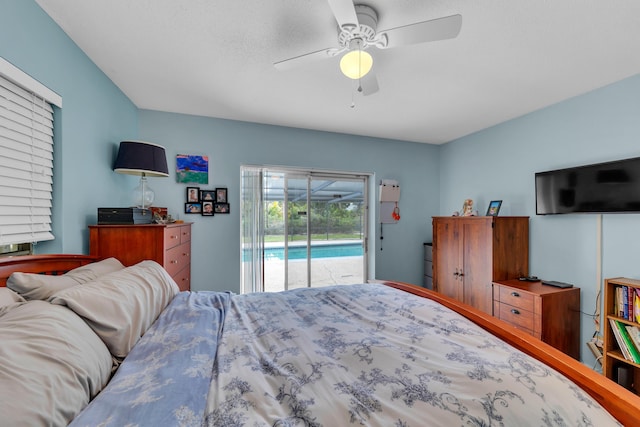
[(516, 298), (516, 316)]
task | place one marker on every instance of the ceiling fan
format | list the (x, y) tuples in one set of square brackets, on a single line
[(357, 25)]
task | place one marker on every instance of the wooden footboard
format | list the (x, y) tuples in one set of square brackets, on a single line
[(620, 402), (44, 264)]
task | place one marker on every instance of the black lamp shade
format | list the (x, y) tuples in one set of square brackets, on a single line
[(141, 158)]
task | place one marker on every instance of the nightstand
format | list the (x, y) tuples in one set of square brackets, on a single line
[(548, 313)]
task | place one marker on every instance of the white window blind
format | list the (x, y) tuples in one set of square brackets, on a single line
[(26, 165)]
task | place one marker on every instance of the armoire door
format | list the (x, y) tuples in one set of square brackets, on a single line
[(447, 253), (477, 264)]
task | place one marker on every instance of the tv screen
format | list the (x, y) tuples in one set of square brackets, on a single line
[(598, 188)]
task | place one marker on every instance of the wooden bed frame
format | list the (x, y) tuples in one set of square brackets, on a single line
[(620, 402)]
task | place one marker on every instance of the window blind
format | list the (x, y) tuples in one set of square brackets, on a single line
[(26, 165)]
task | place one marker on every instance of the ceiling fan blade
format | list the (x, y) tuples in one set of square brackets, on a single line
[(369, 84), (426, 31), (307, 58), (345, 12)]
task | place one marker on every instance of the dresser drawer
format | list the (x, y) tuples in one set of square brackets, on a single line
[(185, 233), (519, 317), (516, 298), (428, 268), (177, 258), (428, 282), (171, 237), (428, 252), (183, 278)]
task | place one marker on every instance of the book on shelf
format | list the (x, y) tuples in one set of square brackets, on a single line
[(629, 351), (619, 304), (634, 334), (627, 303)]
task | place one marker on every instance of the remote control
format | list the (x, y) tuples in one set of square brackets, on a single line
[(529, 279), (557, 284)]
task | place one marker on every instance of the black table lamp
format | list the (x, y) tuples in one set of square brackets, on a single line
[(144, 159)]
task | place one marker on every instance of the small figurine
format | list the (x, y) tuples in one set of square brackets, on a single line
[(467, 208)]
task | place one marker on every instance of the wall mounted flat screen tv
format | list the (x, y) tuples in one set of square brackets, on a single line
[(598, 188)]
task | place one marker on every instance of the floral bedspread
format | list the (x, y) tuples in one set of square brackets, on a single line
[(336, 356)]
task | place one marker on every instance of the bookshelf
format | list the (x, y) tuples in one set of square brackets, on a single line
[(616, 366)]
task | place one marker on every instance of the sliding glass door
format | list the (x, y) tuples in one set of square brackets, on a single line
[(314, 230)]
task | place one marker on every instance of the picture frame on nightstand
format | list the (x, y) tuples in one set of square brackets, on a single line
[(494, 207)]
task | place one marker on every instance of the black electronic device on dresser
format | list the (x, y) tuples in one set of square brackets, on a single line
[(124, 216)]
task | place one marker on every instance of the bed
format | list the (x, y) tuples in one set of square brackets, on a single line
[(96, 343)]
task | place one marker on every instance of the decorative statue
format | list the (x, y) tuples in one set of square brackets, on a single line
[(467, 208)]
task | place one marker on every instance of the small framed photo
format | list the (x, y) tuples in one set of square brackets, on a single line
[(221, 195), (494, 207), (207, 208), (193, 208), (208, 196), (193, 194), (221, 208)]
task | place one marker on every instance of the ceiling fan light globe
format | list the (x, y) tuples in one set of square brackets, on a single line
[(356, 64)]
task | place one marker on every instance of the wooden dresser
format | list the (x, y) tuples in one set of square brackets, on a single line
[(546, 312), (168, 245)]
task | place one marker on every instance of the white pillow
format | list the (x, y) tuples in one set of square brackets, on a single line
[(51, 364), (7, 296), (42, 286), (122, 305)]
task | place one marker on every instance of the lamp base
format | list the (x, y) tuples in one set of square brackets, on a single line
[(143, 195)]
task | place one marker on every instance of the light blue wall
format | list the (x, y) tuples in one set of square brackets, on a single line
[(500, 162), (95, 116), (229, 144)]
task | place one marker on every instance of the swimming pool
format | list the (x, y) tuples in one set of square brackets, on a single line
[(317, 251)]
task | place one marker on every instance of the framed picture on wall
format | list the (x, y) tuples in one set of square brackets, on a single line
[(221, 208), (193, 194), (208, 196), (494, 207), (221, 195), (193, 208), (207, 208)]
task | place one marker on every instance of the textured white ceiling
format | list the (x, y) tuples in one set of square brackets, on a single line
[(215, 58)]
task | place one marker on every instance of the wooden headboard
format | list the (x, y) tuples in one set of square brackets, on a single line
[(45, 264)]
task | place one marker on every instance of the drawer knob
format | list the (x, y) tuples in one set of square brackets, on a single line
[(514, 311), (515, 294), (174, 262)]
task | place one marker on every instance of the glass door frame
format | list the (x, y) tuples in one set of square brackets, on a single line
[(367, 179)]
